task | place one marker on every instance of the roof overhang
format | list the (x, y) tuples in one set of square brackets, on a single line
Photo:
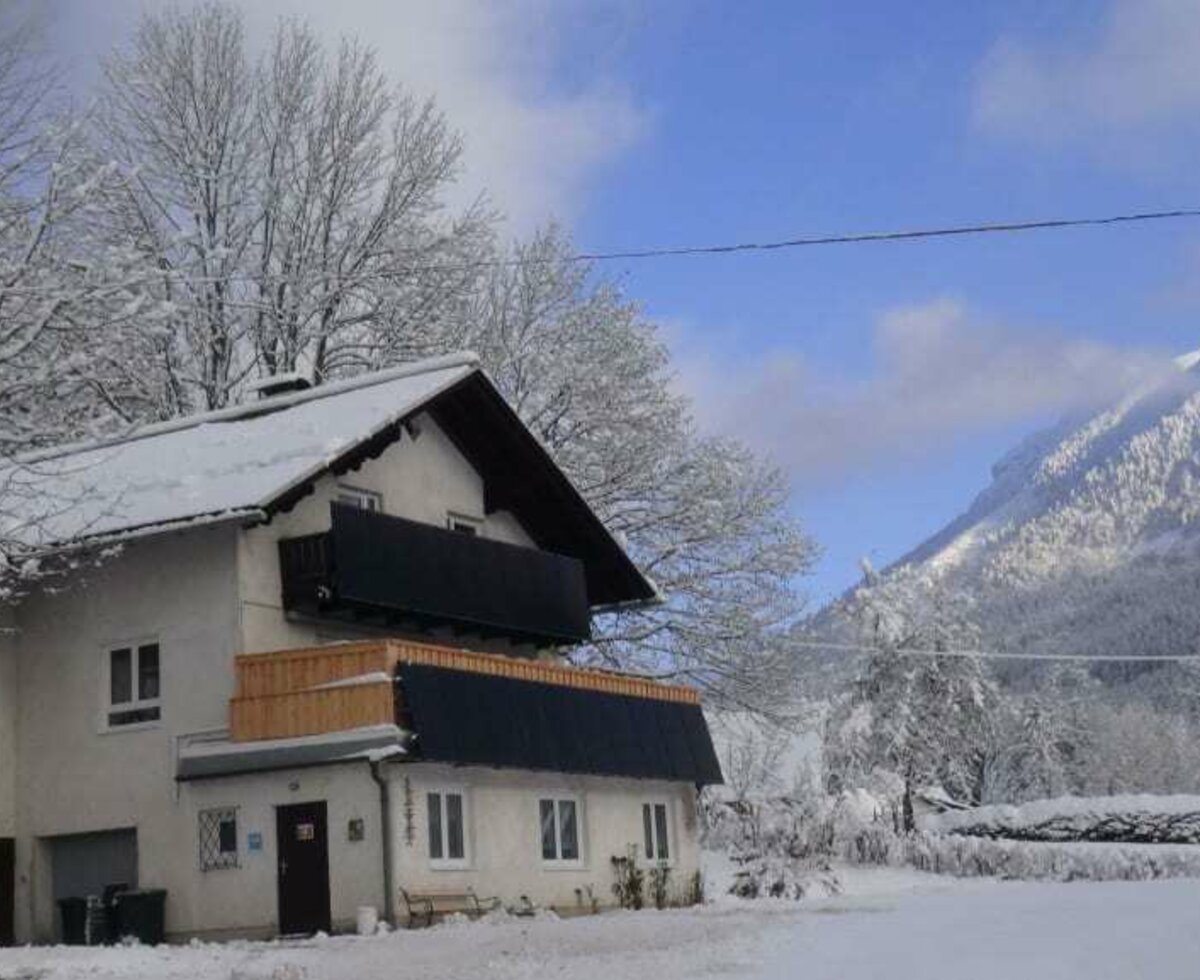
[(222, 757)]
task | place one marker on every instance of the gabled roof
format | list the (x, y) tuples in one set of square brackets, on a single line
[(250, 461)]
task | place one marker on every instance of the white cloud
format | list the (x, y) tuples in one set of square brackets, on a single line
[(939, 374), (1123, 86), (500, 72)]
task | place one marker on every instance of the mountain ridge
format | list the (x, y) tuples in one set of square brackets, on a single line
[(1087, 540)]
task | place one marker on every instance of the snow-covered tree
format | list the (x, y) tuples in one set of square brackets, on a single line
[(69, 305), (1042, 738), (703, 517), (913, 715)]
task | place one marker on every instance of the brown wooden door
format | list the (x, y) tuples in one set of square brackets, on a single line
[(302, 839), (8, 884)]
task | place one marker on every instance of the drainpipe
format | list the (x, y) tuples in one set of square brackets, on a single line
[(385, 814)]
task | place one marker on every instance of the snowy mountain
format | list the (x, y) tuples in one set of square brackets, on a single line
[(1088, 538)]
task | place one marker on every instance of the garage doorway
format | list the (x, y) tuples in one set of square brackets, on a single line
[(89, 864)]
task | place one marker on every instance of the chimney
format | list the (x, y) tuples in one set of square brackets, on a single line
[(277, 384)]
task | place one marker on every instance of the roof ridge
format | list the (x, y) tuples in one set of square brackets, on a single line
[(263, 407)]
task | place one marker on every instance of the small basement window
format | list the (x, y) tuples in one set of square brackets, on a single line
[(559, 830), (656, 844), (362, 499), (446, 813), (464, 524), (218, 839), (133, 685)]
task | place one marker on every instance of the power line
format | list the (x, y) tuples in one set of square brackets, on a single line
[(998, 654), (1001, 227), (849, 238)]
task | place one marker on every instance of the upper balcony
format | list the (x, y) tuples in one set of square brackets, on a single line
[(374, 568)]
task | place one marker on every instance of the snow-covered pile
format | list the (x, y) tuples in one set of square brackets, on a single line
[(1140, 818), (971, 857)]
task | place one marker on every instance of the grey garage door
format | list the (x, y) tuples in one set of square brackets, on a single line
[(86, 864)]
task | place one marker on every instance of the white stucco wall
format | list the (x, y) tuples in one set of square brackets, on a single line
[(503, 832), (76, 776), (423, 480), (244, 900)]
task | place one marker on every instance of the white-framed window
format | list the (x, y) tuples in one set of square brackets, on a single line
[(218, 839), (560, 819), (464, 524), (134, 686), (446, 816), (357, 497), (656, 832)]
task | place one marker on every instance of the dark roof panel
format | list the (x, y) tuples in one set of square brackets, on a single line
[(479, 719)]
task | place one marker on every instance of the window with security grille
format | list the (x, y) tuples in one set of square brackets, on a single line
[(218, 839)]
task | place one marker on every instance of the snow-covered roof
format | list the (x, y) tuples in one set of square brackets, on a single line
[(220, 465)]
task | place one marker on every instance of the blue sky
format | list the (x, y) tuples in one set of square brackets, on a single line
[(773, 120), (885, 378)]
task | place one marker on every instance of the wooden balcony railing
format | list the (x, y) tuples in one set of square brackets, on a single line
[(343, 686)]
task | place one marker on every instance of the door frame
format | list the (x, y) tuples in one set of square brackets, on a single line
[(285, 820), (8, 886)]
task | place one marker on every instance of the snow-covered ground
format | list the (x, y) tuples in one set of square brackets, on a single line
[(892, 923)]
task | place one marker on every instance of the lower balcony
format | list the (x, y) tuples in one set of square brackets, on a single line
[(417, 702), (389, 571)]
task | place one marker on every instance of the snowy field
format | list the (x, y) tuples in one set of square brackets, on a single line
[(896, 924)]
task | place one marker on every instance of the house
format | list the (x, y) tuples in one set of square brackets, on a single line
[(324, 665)]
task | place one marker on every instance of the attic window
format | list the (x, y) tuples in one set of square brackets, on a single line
[(362, 499)]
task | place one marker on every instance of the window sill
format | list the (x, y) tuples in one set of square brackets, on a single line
[(652, 865), (137, 726), (450, 866), (564, 865)]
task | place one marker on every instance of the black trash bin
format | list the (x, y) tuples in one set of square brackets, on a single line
[(74, 920), (141, 914)]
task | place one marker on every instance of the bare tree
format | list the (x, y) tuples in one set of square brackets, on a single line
[(357, 261), (288, 210)]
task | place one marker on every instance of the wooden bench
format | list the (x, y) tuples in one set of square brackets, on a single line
[(425, 905)]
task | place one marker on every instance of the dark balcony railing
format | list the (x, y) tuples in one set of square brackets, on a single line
[(370, 565)]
